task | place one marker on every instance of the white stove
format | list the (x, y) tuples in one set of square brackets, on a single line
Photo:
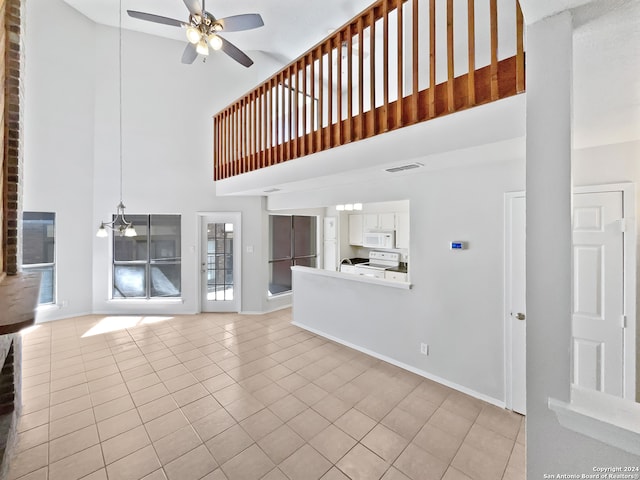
[(378, 263)]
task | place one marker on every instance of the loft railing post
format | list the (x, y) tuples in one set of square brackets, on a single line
[(432, 58), (519, 49), (385, 66), (415, 66), (493, 13), (471, 76), (400, 63), (372, 73), (450, 57)]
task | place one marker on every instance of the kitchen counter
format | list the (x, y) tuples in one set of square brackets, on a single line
[(402, 268), (352, 277)]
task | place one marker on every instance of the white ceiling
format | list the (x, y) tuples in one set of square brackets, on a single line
[(291, 26)]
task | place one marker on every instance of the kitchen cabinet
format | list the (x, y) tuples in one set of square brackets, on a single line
[(356, 227), (395, 276), (402, 230), (379, 221)]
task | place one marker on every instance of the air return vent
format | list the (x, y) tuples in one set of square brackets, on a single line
[(402, 168)]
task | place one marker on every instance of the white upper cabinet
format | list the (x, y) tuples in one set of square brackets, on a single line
[(355, 229), (379, 221), (402, 230)]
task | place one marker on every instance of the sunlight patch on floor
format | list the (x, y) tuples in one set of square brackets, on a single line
[(117, 323)]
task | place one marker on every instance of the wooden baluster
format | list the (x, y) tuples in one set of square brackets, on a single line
[(471, 76), (339, 86), (216, 152), (432, 58), (415, 68), (303, 138), (295, 110), (400, 65), (274, 107), (312, 126), (493, 11), (290, 109), (361, 77), (256, 126), (450, 55), (330, 92), (371, 131), (519, 49), (224, 145), (244, 135), (320, 136), (262, 125), (385, 66), (234, 119), (349, 125)]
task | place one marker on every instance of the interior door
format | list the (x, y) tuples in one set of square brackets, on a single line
[(598, 292), (220, 262), (516, 303)]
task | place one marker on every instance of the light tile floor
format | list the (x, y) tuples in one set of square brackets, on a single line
[(226, 396)]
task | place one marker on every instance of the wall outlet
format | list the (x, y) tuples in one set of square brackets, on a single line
[(424, 349)]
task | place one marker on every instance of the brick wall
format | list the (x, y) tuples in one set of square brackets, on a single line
[(12, 128), (3, 36)]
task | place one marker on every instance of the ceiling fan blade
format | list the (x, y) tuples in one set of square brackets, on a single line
[(235, 53), (237, 23), (149, 17), (194, 6), (189, 54)]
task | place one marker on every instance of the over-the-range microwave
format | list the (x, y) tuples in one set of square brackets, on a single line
[(386, 239)]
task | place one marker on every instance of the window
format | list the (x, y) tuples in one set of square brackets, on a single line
[(149, 264), (293, 242), (38, 251)]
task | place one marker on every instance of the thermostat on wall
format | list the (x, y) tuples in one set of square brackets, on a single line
[(457, 245)]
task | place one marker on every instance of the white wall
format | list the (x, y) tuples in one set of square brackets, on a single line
[(59, 144), (71, 137), (456, 303)]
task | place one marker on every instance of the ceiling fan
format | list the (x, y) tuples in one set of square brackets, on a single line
[(203, 30)]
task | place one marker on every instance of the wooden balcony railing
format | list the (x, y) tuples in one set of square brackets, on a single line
[(397, 63)]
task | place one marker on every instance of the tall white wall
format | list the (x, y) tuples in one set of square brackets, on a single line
[(59, 144), (72, 143)]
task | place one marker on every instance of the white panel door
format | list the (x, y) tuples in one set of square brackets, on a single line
[(598, 292), (516, 304)]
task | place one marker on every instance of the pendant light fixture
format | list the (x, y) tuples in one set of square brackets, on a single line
[(119, 223)]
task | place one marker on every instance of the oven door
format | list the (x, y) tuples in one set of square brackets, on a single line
[(368, 271)]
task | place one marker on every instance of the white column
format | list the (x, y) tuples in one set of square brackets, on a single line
[(548, 147)]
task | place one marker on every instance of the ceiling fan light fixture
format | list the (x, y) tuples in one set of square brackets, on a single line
[(215, 41), (217, 27), (193, 35), (202, 48)]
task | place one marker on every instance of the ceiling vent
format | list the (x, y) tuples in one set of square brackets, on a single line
[(272, 190), (402, 168)]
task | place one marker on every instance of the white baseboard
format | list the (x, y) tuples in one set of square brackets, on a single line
[(412, 369)]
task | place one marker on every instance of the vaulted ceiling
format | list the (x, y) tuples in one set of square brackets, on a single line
[(291, 26)]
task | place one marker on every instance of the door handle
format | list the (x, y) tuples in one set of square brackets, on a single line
[(520, 316)]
